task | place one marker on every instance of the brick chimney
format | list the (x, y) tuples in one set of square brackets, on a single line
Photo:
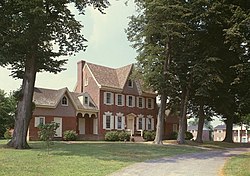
[(79, 87)]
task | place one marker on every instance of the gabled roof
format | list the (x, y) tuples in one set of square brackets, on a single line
[(220, 127), (110, 77), (195, 127), (80, 105), (50, 98)]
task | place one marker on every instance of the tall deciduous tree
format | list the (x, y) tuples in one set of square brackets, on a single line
[(153, 31), (29, 33)]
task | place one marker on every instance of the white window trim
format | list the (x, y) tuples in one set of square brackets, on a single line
[(111, 98), (143, 102), (152, 103), (133, 101), (37, 121), (66, 99), (116, 100), (111, 120), (116, 121)]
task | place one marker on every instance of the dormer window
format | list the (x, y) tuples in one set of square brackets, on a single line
[(86, 100), (64, 101), (130, 83)]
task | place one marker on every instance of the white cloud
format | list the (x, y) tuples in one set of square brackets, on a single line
[(107, 45)]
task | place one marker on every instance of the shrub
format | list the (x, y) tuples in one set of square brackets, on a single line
[(188, 135), (123, 136), (47, 133), (7, 134), (117, 136), (173, 135), (70, 135), (112, 136), (149, 135)]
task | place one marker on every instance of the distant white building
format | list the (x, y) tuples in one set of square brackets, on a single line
[(241, 133)]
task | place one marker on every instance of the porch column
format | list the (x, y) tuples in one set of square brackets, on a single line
[(238, 135), (246, 136)]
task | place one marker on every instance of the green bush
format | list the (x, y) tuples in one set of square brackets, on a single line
[(123, 136), (173, 135), (112, 136), (7, 134), (149, 135), (188, 135), (70, 135), (47, 132), (117, 136)]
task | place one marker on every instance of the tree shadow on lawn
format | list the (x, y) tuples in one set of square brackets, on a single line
[(117, 151)]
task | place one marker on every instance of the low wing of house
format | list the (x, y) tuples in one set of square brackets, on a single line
[(60, 106)]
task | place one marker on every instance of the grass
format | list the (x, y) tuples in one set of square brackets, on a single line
[(80, 158), (238, 166)]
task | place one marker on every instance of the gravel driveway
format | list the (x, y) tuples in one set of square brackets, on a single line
[(206, 163)]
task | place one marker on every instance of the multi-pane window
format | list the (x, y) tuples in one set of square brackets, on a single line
[(108, 98), (149, 103), (108, 121), (39, 121), (119, 100), (140, 102), (149, 124), (140, 124), (130, 83), (86, 100), (130, 101), (175, 128), (64, 101), (119, 122)]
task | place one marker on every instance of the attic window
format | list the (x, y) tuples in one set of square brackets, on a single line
[(86, 100), (130, 83), (64, 101)]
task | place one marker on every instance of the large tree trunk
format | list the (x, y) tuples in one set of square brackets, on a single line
[(200, 124), (183, 118), (229, 130), (24, 107), (160, 120)]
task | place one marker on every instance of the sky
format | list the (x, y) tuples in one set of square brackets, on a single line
[(107, 46)]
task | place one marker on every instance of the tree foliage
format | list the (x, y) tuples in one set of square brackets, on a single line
[(197, 54), (33, 34), (7, 112)]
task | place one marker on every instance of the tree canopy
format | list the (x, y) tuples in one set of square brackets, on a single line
[(33, 34), (205, 46)]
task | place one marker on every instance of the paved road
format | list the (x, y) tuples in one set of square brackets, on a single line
[(206, 163)]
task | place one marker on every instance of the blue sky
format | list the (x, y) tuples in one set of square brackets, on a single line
[(107, 45)]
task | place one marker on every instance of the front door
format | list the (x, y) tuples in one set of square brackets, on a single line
[(130, 123), (81, 125), (88, 125)]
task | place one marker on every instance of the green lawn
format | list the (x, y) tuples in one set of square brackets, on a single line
[(238, 166), (80, 158)]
